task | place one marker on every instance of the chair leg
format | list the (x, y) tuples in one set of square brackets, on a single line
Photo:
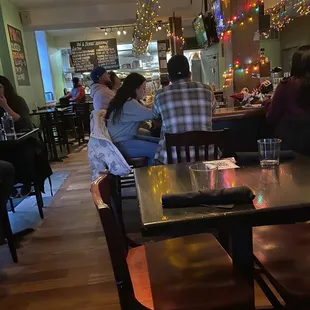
[(39, 199), (12, 205)]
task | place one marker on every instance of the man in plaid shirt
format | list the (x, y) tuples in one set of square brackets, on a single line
[(182, 106)]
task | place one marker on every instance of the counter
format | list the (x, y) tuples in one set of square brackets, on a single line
[(224, 114), (246, 126)]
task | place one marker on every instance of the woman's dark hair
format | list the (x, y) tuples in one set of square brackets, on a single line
[(301, 69), (9, 91), (125, 92), (112, 77)]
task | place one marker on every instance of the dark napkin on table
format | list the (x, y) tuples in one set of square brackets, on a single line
[(253, 157), (226, 196)]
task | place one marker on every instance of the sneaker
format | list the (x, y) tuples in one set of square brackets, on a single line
[(26, 190), (14, 193)]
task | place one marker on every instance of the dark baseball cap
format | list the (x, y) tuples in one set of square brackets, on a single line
[(97, 73), (178, 68)]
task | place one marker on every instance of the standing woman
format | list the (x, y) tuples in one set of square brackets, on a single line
[(292, 96), (124, 116), (115, 81), (29, 158)]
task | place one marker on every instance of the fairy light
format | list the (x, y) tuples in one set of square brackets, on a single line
[(147, 12), (279, 16)]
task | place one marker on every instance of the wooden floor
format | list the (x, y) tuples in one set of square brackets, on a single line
[(65, 265)]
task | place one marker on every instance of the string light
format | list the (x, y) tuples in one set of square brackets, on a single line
[(147, 12), (280, 16), (240, 19)]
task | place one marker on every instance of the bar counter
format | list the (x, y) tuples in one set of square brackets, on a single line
[(246, 126), (232, 113)]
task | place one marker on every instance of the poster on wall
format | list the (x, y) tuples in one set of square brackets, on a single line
[(88, 54), (19, 57)]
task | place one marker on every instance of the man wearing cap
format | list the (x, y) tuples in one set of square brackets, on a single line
[(99, 90), (182, 106)]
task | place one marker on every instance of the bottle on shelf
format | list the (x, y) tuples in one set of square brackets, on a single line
[(8, 126)]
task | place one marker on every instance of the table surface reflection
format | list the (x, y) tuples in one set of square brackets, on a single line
[(286, 185)]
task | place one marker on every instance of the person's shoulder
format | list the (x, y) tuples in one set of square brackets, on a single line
[(199, 85)]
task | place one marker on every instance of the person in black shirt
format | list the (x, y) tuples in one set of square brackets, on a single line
[(29, 158)]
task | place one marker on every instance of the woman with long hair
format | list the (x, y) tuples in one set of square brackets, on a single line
[(29, 157), (115, 82), (124, 116), (292, 96)]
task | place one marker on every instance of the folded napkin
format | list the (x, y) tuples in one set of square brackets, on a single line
[(226, 196), (253, 157)]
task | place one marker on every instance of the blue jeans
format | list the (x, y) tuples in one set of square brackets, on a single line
[(140, 146)]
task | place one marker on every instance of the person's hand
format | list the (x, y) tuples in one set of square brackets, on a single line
[(3, 102)]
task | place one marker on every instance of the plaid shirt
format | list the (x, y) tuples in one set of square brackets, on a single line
[(183, 106)]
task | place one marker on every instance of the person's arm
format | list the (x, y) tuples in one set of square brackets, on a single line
[(274, 110), (4, 105), (155, 109), (68, 96), (137, 112), (107, 96)]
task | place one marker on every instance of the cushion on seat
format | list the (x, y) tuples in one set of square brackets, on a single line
[(139, 274), (283, 253), (195, 272)]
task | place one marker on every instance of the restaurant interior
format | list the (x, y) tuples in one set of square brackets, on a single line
[(220, 221)]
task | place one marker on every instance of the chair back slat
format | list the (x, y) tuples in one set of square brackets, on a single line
[(196, 144), (178, 149), (102, 192), (206, 152), (197, 148)]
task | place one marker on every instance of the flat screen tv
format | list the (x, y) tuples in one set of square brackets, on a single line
[(200, 31)]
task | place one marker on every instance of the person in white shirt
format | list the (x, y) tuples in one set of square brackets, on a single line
[(99, 90)]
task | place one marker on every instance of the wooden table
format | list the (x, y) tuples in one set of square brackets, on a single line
[(282, 196)]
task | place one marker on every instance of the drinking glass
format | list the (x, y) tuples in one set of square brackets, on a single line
[(269, 152), (203, 176)]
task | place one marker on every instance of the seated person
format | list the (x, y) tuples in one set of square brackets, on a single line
[(115, 82), (291, 98), (77, 93), (29, 157), (182, 106), (124, 116), (100, 90)]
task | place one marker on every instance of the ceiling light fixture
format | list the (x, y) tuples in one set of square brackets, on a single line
[(106, 32), (118, 32), (124, 32)]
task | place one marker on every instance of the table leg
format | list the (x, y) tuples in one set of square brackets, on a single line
[(242, 252)]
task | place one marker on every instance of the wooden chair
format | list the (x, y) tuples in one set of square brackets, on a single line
[(204, 280), (283, 255), (200, 142)]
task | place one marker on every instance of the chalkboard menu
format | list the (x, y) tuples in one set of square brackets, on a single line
[(19, 57), (88, 54)]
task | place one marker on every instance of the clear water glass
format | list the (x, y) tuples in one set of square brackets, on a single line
[(269, 152), (203, 176)]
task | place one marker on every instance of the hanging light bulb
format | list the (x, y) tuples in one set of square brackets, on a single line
[(159, 27), (118, 32), (106, 32), (124, 32)]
